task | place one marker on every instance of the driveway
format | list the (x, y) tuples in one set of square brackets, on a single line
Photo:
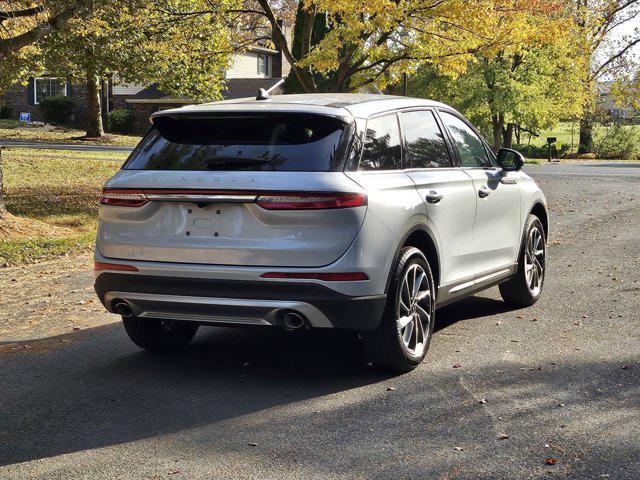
[(552, 391)]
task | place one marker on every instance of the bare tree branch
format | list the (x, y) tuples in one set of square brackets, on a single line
[(601, 69)]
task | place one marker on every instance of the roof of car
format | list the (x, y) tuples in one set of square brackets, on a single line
[(360, 105)]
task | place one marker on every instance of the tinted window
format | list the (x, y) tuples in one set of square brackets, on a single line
[(425, 145), (381, 149), (470, 147), (242, 142)]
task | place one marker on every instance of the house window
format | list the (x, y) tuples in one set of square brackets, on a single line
[(264, 65), (48, 87)]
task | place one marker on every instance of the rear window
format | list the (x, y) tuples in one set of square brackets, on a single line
[(253, 142)]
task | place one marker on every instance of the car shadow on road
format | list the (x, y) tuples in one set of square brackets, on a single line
[(94, 388), (90, 389), (469, 308)]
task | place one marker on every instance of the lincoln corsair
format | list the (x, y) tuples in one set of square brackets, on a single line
[(345, 211)]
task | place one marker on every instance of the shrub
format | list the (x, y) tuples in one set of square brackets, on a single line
[(57, 110), (5, 112), (616, 142), (533, 151), (120, 121)]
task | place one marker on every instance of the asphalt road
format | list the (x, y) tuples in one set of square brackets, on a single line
[(501, 390)]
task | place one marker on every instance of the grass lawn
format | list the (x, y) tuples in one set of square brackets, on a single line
[(13, 130), (563, 132), (52, 197)]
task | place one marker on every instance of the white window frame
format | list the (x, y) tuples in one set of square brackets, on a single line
[(35, 87), (267, 62)]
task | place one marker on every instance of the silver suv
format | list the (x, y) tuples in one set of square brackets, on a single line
[(348, 211)]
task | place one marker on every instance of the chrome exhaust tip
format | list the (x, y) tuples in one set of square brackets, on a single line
[(123, 309), (292, 321)]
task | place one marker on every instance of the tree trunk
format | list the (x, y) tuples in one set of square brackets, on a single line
[(497, 122), (586, 134), (507, 136), (3, 209), (94, 109)]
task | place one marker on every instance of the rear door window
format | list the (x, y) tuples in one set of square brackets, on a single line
[(250, 142), (381, 150), (425, 144)]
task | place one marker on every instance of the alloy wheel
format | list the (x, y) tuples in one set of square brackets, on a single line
[(534, 260), (415, 310)]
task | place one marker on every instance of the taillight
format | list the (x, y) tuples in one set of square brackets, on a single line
[(310, 201), (123, 198), (327, 277), (114, 266)]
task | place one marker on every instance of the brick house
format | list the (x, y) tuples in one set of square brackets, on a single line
[(25, 98), (258, 67)]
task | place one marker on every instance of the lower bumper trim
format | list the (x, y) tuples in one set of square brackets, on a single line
[(214, 309), (238, 302)]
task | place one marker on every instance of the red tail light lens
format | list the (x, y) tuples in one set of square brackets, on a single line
[(310, 201), (327, 277), (114, 266), (123, 198)]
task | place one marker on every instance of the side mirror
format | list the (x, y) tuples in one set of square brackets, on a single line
[(510, 160)]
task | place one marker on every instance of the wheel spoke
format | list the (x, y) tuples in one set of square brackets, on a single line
[(407, 291), (404, 305), (404, 321), (538, 266), (423, 295), (408, 332), (419, 331), (416, 285), (424, 315)]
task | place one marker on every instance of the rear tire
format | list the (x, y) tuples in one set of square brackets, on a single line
[(402, 339), (525, 287), (161, 336)]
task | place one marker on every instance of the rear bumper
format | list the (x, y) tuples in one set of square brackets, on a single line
[(218, 301)]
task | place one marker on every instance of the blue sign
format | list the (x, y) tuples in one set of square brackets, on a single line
[(25, 117)]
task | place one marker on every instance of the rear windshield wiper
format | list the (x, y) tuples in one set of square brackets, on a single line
[(229, 163)]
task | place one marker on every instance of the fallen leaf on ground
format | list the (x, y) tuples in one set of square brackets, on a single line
[(550, 461), (503, 436)]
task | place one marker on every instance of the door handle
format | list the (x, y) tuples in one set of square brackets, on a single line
[(483, 192), (434, 197)]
